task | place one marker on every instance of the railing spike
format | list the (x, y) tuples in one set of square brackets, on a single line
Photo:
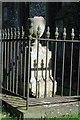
[(64, 33), (18, 32), (30, 31), (23, 32), (2, 34), (11, 33), (56, 33), (8, 33), (15, 35), (48, 32), (72, 34), (5, 33)]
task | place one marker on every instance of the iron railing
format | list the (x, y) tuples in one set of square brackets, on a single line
[(16, 60)]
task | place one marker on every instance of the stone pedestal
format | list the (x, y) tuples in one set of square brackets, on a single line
[(38, 78)]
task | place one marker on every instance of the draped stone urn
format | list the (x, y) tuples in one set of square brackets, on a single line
[(42, 82)]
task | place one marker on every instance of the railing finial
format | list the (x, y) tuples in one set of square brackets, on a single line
[(2, 34), (64, 34), (15, 35), (5, 33), (72, 34), (18, 33), (30, 30), (11, 33), (56, 33), (8, 33), (23, 32), (48, 32)]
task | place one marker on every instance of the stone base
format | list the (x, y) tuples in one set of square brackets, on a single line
[(40, 87)]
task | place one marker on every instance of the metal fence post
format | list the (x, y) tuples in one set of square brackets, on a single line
[(47, 45), (29, 48), (63, 63), (55, 62), (71, 68)]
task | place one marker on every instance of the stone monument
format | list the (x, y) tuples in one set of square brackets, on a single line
[(41, 70)]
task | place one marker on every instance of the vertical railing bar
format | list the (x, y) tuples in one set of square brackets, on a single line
[(15, 60), (42, 66), (27, 95), (63, 68), (71, 67), (23, 66), (55, 62), (25, 69), (46, 70), (78, 73), (21, 61), (8, 59), (21, 57), (30, 32), (47, 45), (11, 46), (2, 59), (10, 65), (14, 45), (17, 67), (5, 33), (3, 37), (5, 64), (35, 69), (19, 70), (64, 37), (37, 92)]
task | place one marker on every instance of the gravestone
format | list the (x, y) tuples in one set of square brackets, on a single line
[(38, 79)]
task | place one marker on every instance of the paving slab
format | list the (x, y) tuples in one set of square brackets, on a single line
[(40, 107)]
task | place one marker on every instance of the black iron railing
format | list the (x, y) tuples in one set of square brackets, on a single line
[(16, 63)]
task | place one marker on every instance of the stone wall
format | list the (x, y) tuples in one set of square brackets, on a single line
[(10, 14), (37, 9)]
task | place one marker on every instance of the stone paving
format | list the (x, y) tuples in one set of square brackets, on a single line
[(40, 107)]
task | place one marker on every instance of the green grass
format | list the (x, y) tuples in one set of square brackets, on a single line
[(4, 115), (58, 117)]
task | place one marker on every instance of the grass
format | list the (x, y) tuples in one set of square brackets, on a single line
[(64, 117), (4, 115)]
